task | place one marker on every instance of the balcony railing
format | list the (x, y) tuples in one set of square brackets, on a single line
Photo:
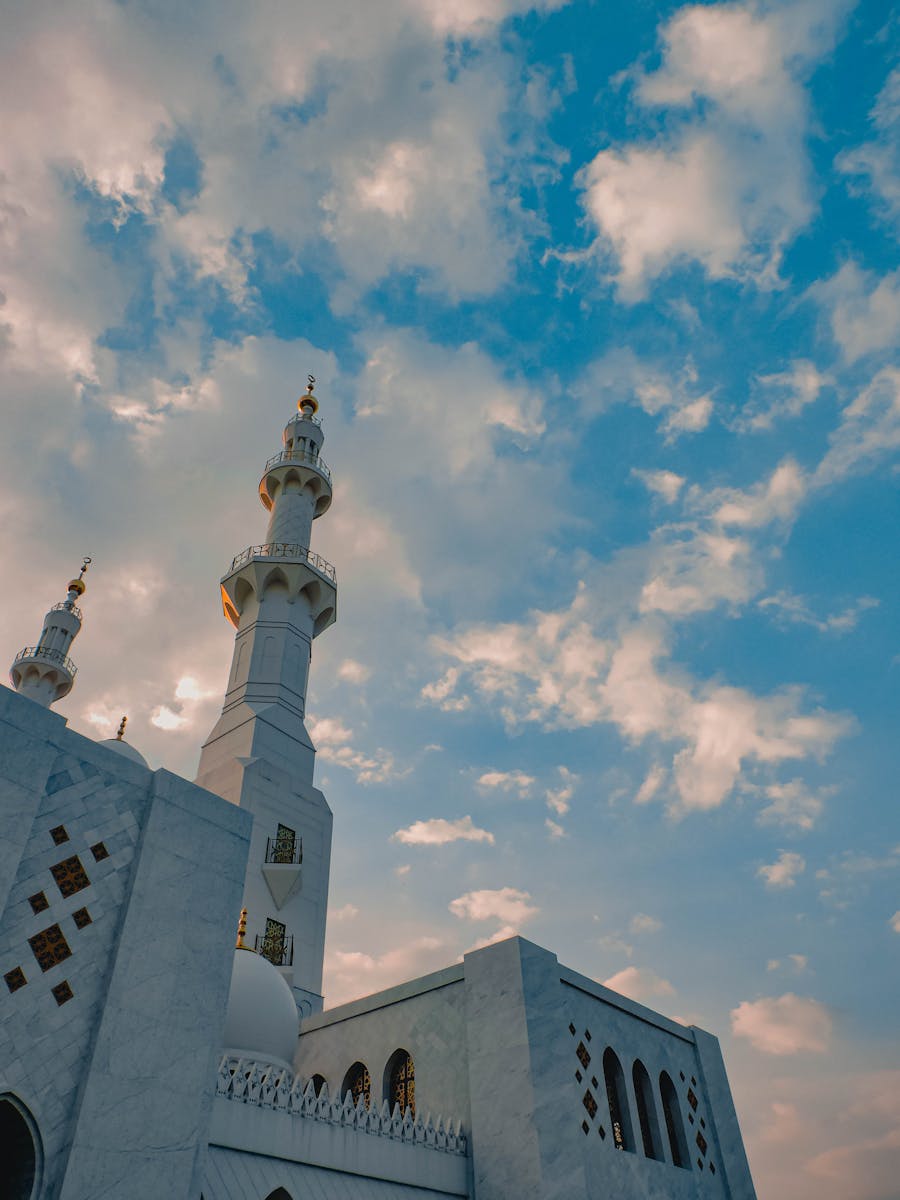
[(284, 850), (313, 420), (65, 606), (300, 456), (285, 550), (279, 951), (44, 655)]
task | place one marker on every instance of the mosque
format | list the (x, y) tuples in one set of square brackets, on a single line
[(145, 1056)]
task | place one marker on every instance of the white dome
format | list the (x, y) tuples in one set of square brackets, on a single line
[(122, 747), (262, 1020)]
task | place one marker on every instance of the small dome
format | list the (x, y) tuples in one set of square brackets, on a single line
[(262, 1020), (123, 748)]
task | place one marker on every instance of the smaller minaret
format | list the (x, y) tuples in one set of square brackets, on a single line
[(44, 672)]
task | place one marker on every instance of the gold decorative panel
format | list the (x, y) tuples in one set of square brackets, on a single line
[(49, 947), (70, 876), (62, 992), (15, 979)]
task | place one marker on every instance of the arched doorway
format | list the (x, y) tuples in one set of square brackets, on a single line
[(22, 1154), (400, 1082)]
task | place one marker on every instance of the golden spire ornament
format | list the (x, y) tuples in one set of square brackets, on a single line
[(121, 733), (242, 931)]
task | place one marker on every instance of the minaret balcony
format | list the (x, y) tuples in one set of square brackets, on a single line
[(303, 468), (298, 568), (67, 606), (284, 851), (300, 456), (285, 550), (42, 654), (279, 950)]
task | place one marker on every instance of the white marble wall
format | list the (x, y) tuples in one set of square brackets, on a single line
[(637, 1033), (426, 1017), (119, 1077)]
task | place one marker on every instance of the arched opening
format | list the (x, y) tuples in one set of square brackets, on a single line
[(22, 1155), (616, 1095), (400, 1082), (279, 1194), (358, 1083), (646, 1107), (674, 1123), (318, 1082)]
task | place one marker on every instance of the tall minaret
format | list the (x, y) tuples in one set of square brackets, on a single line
[(45, 672), (279, 596)]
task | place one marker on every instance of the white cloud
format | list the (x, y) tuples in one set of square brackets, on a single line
[(639, 983), (774, 499), (782, 395), (653, 781), (691, 569), (790, 609), (345, 913), (438, 832), (868, 432), (727, 186), (506, 781), (792, 805), (784, 871), (353, 973), (353, 671), (559, 799), (665, 484), (672, 395), (554, 828), (507, 904), (895, 922), (783, 1025), (167, 719), (441, 692), (553, 668), (864, 309), (644, 923), (878, 161), (188, 688), (332, 738)]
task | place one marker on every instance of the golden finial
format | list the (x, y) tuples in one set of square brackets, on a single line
[(242, 931), (78, 585), (308, 401), (121, 732)]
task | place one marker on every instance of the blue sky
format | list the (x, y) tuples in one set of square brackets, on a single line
[(603, 300)]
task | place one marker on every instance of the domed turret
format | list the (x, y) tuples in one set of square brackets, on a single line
[(122, 747), (262, 1021)]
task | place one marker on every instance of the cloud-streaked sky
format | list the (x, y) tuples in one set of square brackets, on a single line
[(604, 302)]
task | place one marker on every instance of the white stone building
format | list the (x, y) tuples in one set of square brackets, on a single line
[(143, 1056)]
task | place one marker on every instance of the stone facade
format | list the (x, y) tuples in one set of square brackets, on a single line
[(111, 1041)]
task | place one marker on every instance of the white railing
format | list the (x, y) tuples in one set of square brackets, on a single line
[(285, 550), (270, 1086)]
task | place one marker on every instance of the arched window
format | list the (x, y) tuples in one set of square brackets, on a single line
[(318, 1082), (358, 1083), (674, 1123), (619, 1116), (21, 1150), (279, 1194), (400, 1082), (646, 1107)]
